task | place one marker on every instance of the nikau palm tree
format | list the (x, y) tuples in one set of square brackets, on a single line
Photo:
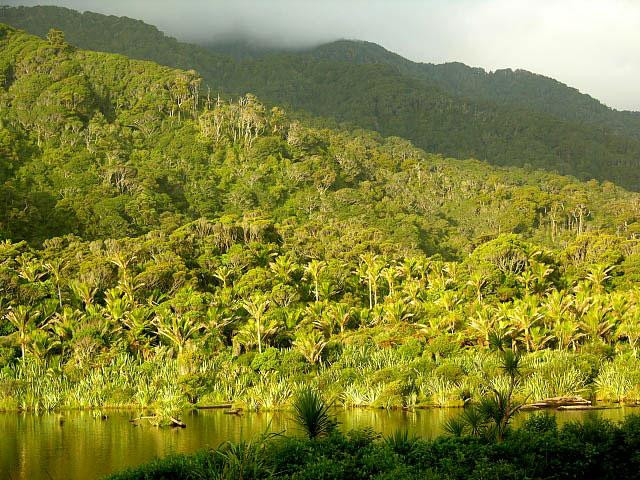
[(369, 270), (257, 307), (22, 319), (311, 345), (314, 269), (176, 328)]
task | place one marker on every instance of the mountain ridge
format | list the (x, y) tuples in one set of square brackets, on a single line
[(100, 146), (444, 74), (450, 109)]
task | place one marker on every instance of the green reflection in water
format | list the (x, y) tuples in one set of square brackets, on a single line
[(77, 446)]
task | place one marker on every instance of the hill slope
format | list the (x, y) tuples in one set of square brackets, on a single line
[(505, 87), (101, 146), (229, 254), (505, 118)]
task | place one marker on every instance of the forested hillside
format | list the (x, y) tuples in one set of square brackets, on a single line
[(504, 87), (506, 118), (162, 248), (101, 146)]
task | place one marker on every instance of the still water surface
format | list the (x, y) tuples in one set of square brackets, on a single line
[(75, 446)]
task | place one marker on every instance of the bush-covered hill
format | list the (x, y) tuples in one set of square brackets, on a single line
[(161, 248), (504, 87), (506, 118), (101, 146)]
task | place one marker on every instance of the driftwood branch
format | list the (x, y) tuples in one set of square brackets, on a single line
[(174, 421)]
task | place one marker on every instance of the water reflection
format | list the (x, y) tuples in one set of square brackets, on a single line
[(77, 446)]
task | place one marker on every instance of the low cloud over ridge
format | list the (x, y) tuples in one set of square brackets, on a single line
[(588, 44)]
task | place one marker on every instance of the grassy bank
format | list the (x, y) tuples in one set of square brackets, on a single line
[(409, 376)]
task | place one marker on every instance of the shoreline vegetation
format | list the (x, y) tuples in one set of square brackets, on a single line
[(425, 339)]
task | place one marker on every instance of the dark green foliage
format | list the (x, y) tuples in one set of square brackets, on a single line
[(244, 460), (175, 467), (400, 441), (455, 426), (541, 423), (595, 449), (504, 117), (311, 413)]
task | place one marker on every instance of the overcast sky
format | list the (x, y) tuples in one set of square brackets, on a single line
[(593, 45)]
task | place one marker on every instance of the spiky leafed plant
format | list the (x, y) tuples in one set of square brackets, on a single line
[(311, 344), (246, 459), (499, 408), (455, 427), (311, 413), (400, 441), (473, 420)]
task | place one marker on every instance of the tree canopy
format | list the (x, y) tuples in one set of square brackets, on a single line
[(219, 250), (507, 118)]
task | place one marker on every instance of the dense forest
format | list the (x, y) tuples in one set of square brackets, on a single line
[(506, 118), (228, 226), (94, 151), (518, 88), (163, 248)]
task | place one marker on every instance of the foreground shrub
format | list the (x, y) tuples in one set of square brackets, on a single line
[(311, 412), (595, 449)]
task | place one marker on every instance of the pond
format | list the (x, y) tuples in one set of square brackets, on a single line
[(74, 445)]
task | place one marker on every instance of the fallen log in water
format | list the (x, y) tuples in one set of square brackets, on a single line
[(158, 421), (213, 407), (233, 411), (587, 407), (177, 423), (555, 402)]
